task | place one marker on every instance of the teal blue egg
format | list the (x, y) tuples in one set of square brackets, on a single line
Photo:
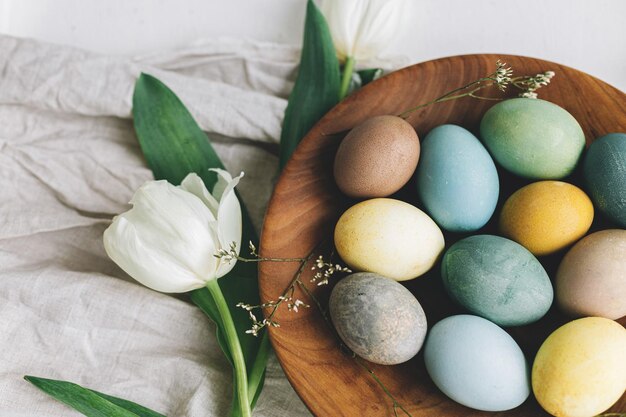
[(498, 279), (477, 364), (604, 169), (533, 138), (457, 180)]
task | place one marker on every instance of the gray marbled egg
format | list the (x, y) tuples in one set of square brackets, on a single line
[(378, 318)]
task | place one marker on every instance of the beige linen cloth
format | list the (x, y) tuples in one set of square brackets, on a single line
[(69, 161)]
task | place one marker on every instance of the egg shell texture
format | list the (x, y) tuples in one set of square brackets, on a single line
[(456, 179), (378, 318), (546, 216), (377, 157), (580, 369), (497, 279), (389, 237), (591, 279), (476, 363), (533, 138), (604, 169)]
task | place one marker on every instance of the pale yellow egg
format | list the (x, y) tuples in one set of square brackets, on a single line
[(580, 369), (389, 237)]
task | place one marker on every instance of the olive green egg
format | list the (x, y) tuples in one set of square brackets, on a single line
[(498, 279), (533, 138)]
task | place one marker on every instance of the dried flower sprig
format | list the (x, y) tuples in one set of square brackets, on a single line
[(502, 77), (326, 270), (530, 85), (231, 254)]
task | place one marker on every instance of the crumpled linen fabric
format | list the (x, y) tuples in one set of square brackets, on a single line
[(69, 162)]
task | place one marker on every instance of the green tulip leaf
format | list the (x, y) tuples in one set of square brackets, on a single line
[(369, 75), (88, 402), (317, 85), (174, 145)]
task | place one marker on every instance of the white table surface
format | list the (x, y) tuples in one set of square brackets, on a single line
[(589, 35)]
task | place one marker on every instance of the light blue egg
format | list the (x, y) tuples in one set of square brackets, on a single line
[(457, 180), (477, 364)]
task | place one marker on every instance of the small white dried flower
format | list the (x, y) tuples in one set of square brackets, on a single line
[(503, 75), (252, 249), (228, 255), (529, 94), (529, 85), (327, 269)]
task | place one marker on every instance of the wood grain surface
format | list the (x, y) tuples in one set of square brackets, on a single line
[(306, 204)]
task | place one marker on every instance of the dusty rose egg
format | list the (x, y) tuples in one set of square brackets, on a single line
[(591, 280), (377, 157)]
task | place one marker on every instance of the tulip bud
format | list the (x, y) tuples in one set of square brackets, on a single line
[(168, 239), (362, 29)]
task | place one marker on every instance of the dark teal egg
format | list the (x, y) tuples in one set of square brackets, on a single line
[(497, 279), (457, 180), (533, 138), (604, 169)]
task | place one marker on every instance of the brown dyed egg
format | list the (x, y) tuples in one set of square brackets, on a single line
[(377, 157), (591, 280)]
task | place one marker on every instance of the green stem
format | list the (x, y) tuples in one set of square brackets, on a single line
[(241, 259), (346, 77), (449, 96), (258, 368), (239, 363)]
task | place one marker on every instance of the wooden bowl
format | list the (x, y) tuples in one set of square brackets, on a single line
[(306, 205)]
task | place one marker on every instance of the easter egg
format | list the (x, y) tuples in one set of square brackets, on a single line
[(377, 318), (377, 157), (580, 369), (476, 363), (388, 237), (591, 279), (457, 180), (604, 169), (546, 216), (497, 279), (533, 138)]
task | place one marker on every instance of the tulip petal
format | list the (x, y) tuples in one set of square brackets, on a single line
[(225, 206), (229, 226), (362, 29), (194, 184), (379, 27), (151, 268)]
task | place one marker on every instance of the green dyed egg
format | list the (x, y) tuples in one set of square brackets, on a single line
[(604, 169), (497, 279), (533, 138)]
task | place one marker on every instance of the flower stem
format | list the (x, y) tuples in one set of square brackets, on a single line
[(346, 77), (242, 259), (230, 333), (449, 96)]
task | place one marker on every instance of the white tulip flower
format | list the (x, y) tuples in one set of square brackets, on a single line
[(168, 240), (362, 29)]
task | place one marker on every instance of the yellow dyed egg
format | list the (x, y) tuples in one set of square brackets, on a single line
[(546, 216), (580, 370), (389, 237)]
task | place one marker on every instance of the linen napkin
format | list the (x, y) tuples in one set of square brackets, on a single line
[(69, 162)]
